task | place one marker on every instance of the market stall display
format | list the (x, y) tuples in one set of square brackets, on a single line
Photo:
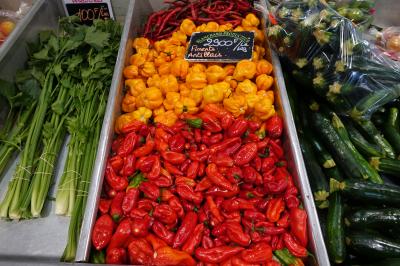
[(347, 120), (158, 135), (9, 18)]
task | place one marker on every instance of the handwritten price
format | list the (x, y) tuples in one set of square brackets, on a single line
[(239, 45), (92, 14)]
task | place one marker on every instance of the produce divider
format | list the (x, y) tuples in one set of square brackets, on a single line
[(141, 10), (40, 240)]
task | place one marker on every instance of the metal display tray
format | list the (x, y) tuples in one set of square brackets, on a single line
[(40, 240), (137, 14)]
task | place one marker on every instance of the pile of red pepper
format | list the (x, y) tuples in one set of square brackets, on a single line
[(163, 23), (209, 190)]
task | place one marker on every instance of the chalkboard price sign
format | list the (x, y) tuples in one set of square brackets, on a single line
[(89, 10), (227, 46)]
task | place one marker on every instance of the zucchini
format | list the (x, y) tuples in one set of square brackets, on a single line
[(381, 218), (361, 144), (365, 191), (335, 229), (334, 173), (385, 262), (377, 137), (372, 245), (391, 129), (367, 171), (318, 180), (386, 165), (337, 147)]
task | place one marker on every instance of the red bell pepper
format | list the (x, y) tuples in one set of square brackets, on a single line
[(194, 241), (245, 154), (162, 232), (102, 231), (298, 225), (185, 230), (216, 254)]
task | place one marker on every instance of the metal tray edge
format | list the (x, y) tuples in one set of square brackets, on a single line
[(83, 249)]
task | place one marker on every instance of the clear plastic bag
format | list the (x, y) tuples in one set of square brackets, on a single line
[(329, 54), (9, 19)]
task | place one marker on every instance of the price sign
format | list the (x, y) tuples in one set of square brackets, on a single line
[(227, 46), (89, 10)]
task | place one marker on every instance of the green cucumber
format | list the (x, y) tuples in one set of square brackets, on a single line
[(381, 218), (377, 137), (361, 144), (318, 180), (339, 150), (365, 191), (391, 129), (367, 171), (335, 229), (372, 245), (386, 165)]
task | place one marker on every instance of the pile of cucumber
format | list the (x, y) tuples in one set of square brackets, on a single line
[(354, 170)]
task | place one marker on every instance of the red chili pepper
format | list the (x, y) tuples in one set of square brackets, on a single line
[(217, 179), (116, 163), (140, 252), (165, 214), (210, 122), (270, 230), (173, 157), (284, 220), (116, 206), (235, 204), (130, 199), (204, 184), (178, 126), (133, 126), (259, 253), (163, 181), (217, 254), (138, 213), (102, 231), (238, 261), (127, 145), (170, 168), (274, 126), (215, 138), (114, 181), (140, 226), (202, 170), (166, 194), (254, 215), (275, 263), (163, 233), (155, 170), (254, 126), (186, 192), (257, 163), (257, 237), (222, 146), (185, 230), (169, 256), (236, 234), (295, 248), (218, 192), (216, 110), (193, 169), (176, 143), (277, 186), (104, 205), (146, 149), (245, 154), (195, 239), (207, 242), (197, 135), (298, 225), (146, 204), (226, 121), (150, 190), (234, 174), (214, 209), (249, 174), (268, 164), (238, 128), (129, 165), (161, 133), (176, 206), (291, 190), (145, 164), (262, 144), (274, 209), (121, 235), (160, 145), (181, 180), (275, 148), (116, 143), (184, 166), (200, 156), (155, 242), (221, 160), (292, 201), (116, 256), (219, 242)]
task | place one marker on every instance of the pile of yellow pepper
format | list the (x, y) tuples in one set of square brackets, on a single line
[(161, 84)]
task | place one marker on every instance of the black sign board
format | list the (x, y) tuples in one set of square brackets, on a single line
[(227, 46), (88, 12)]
